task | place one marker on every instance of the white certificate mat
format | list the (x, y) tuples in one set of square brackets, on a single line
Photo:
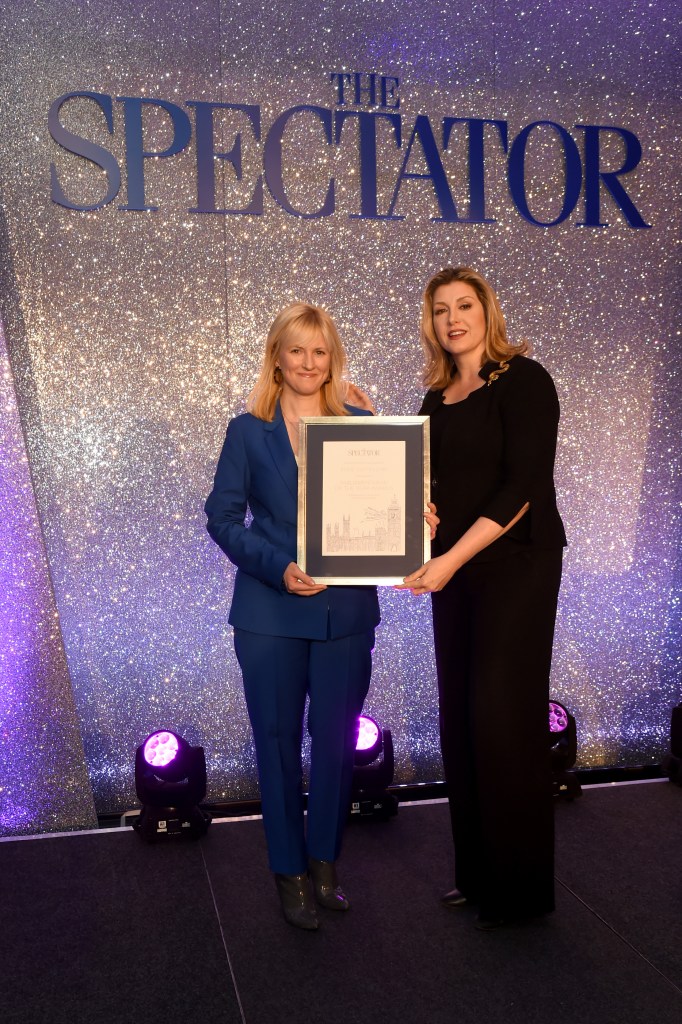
[(363, 498)]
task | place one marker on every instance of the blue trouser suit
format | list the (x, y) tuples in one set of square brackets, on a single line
[(289, 646)]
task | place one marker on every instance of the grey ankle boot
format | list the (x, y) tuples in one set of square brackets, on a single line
[(328, 892), (297, 901)]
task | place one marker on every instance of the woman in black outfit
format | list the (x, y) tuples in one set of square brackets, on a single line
[(494, 578)]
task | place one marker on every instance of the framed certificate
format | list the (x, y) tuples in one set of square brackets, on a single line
[(363, 484)]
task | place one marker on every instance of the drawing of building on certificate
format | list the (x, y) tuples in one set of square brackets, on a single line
[(363, 498)]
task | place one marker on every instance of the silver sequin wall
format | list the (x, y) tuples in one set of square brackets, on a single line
[(130, 337)]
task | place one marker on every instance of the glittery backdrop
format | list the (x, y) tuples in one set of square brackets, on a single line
[(43, 780), (134, 336)]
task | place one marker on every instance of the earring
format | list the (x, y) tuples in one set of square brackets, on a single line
[(277, 375)]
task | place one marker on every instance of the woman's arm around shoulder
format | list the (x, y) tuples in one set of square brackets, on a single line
[(355, 411)]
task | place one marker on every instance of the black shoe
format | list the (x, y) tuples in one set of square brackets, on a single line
[(328, 892), (454, 898), (297, 901), (487, 923)]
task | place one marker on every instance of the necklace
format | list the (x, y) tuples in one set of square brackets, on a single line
[(293, 430)]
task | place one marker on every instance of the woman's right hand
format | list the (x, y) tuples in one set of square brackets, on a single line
[(298, 582), (359, 398), (432, 518)]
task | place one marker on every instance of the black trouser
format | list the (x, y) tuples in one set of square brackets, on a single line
[(493, 627)]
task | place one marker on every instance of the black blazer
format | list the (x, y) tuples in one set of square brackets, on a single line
[(493, 452)]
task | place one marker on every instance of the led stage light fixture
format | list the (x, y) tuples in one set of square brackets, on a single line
[(170, 780)]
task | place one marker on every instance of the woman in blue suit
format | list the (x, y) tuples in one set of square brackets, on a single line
[(293, 637)]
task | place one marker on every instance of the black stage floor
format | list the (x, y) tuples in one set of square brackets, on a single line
[(100, 927)]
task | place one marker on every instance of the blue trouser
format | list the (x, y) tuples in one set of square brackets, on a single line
[(278, 673)]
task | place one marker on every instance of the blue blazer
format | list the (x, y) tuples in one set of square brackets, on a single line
[(257, 469)]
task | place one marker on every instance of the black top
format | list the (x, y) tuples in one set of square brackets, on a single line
[(493, 452)]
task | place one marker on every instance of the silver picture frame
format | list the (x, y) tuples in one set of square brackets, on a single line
[(363, 485)]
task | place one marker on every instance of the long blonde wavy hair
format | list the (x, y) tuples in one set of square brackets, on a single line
[(439, 364), (299, 323)]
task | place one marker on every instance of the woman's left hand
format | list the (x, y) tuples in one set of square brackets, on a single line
[(432, 576)]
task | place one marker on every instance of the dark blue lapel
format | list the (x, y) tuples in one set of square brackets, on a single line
[(277, 441)]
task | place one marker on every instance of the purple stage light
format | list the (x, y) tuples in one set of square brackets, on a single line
[(368, 733), (170, 780), (160, 749), (369, 743), (373, 772), (563, 748), (558, 717)]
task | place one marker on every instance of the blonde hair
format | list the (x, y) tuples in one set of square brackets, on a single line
[(439, 363), (299, 322)]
